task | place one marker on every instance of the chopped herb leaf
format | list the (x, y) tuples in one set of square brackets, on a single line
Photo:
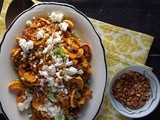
[(58, 51)]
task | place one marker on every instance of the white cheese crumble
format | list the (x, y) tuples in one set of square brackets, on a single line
[(57, 34), (56, 17), (50, 44), (53, 111), (52, 69), (41, 82), (57, 40), (58, 74), (67, 77), (58, 61), (71, 70), (44, 73), (63, 26), (69, 63), (80, 72), (50, 41), (65, 91), (26, 45), (40, 34), (25, 104)]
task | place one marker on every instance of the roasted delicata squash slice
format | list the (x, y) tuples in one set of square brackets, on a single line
[(40, 42), (80, 53), (74, 43), (36, 103), (16, 85), (81, 101), (72, 99), (70, 54), (88, 70), (77, 81), (26, 75), (29, 77), (75, 61), (30, 83), (15, 52), (20, 98), (44, 20), (21, 70), (85, 64)]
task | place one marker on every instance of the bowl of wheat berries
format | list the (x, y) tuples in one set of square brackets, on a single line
[(134, 91)]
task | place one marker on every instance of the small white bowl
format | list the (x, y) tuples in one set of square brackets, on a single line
[(150, 105), (83, 28)]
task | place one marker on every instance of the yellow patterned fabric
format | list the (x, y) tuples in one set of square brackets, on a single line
[(123, 47)]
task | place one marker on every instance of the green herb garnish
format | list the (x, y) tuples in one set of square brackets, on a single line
[(58, 52)]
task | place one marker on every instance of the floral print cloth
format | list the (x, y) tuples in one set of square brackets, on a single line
[(123, 47)]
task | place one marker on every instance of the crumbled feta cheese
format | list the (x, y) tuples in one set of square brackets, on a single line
[(58, 61), (48, 48), (69, 63), (44, 73), (58, 74), (45, 67), (58, 64), (67, 77), (40, 108), (56, 17), (50, 44), (80, 72), (71, 70), (45, 51), (25, 104), (41, 82), (52, 69), (21, 106), (54, 89), (28, 23), (57, 40), (51, 110), (40, 34), (54, 111), (50, 41), (26, 45), (57, 34), (51, 81), (65, 91), (63, 26)]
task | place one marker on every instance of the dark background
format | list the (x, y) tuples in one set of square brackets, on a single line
[(138, 15)]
